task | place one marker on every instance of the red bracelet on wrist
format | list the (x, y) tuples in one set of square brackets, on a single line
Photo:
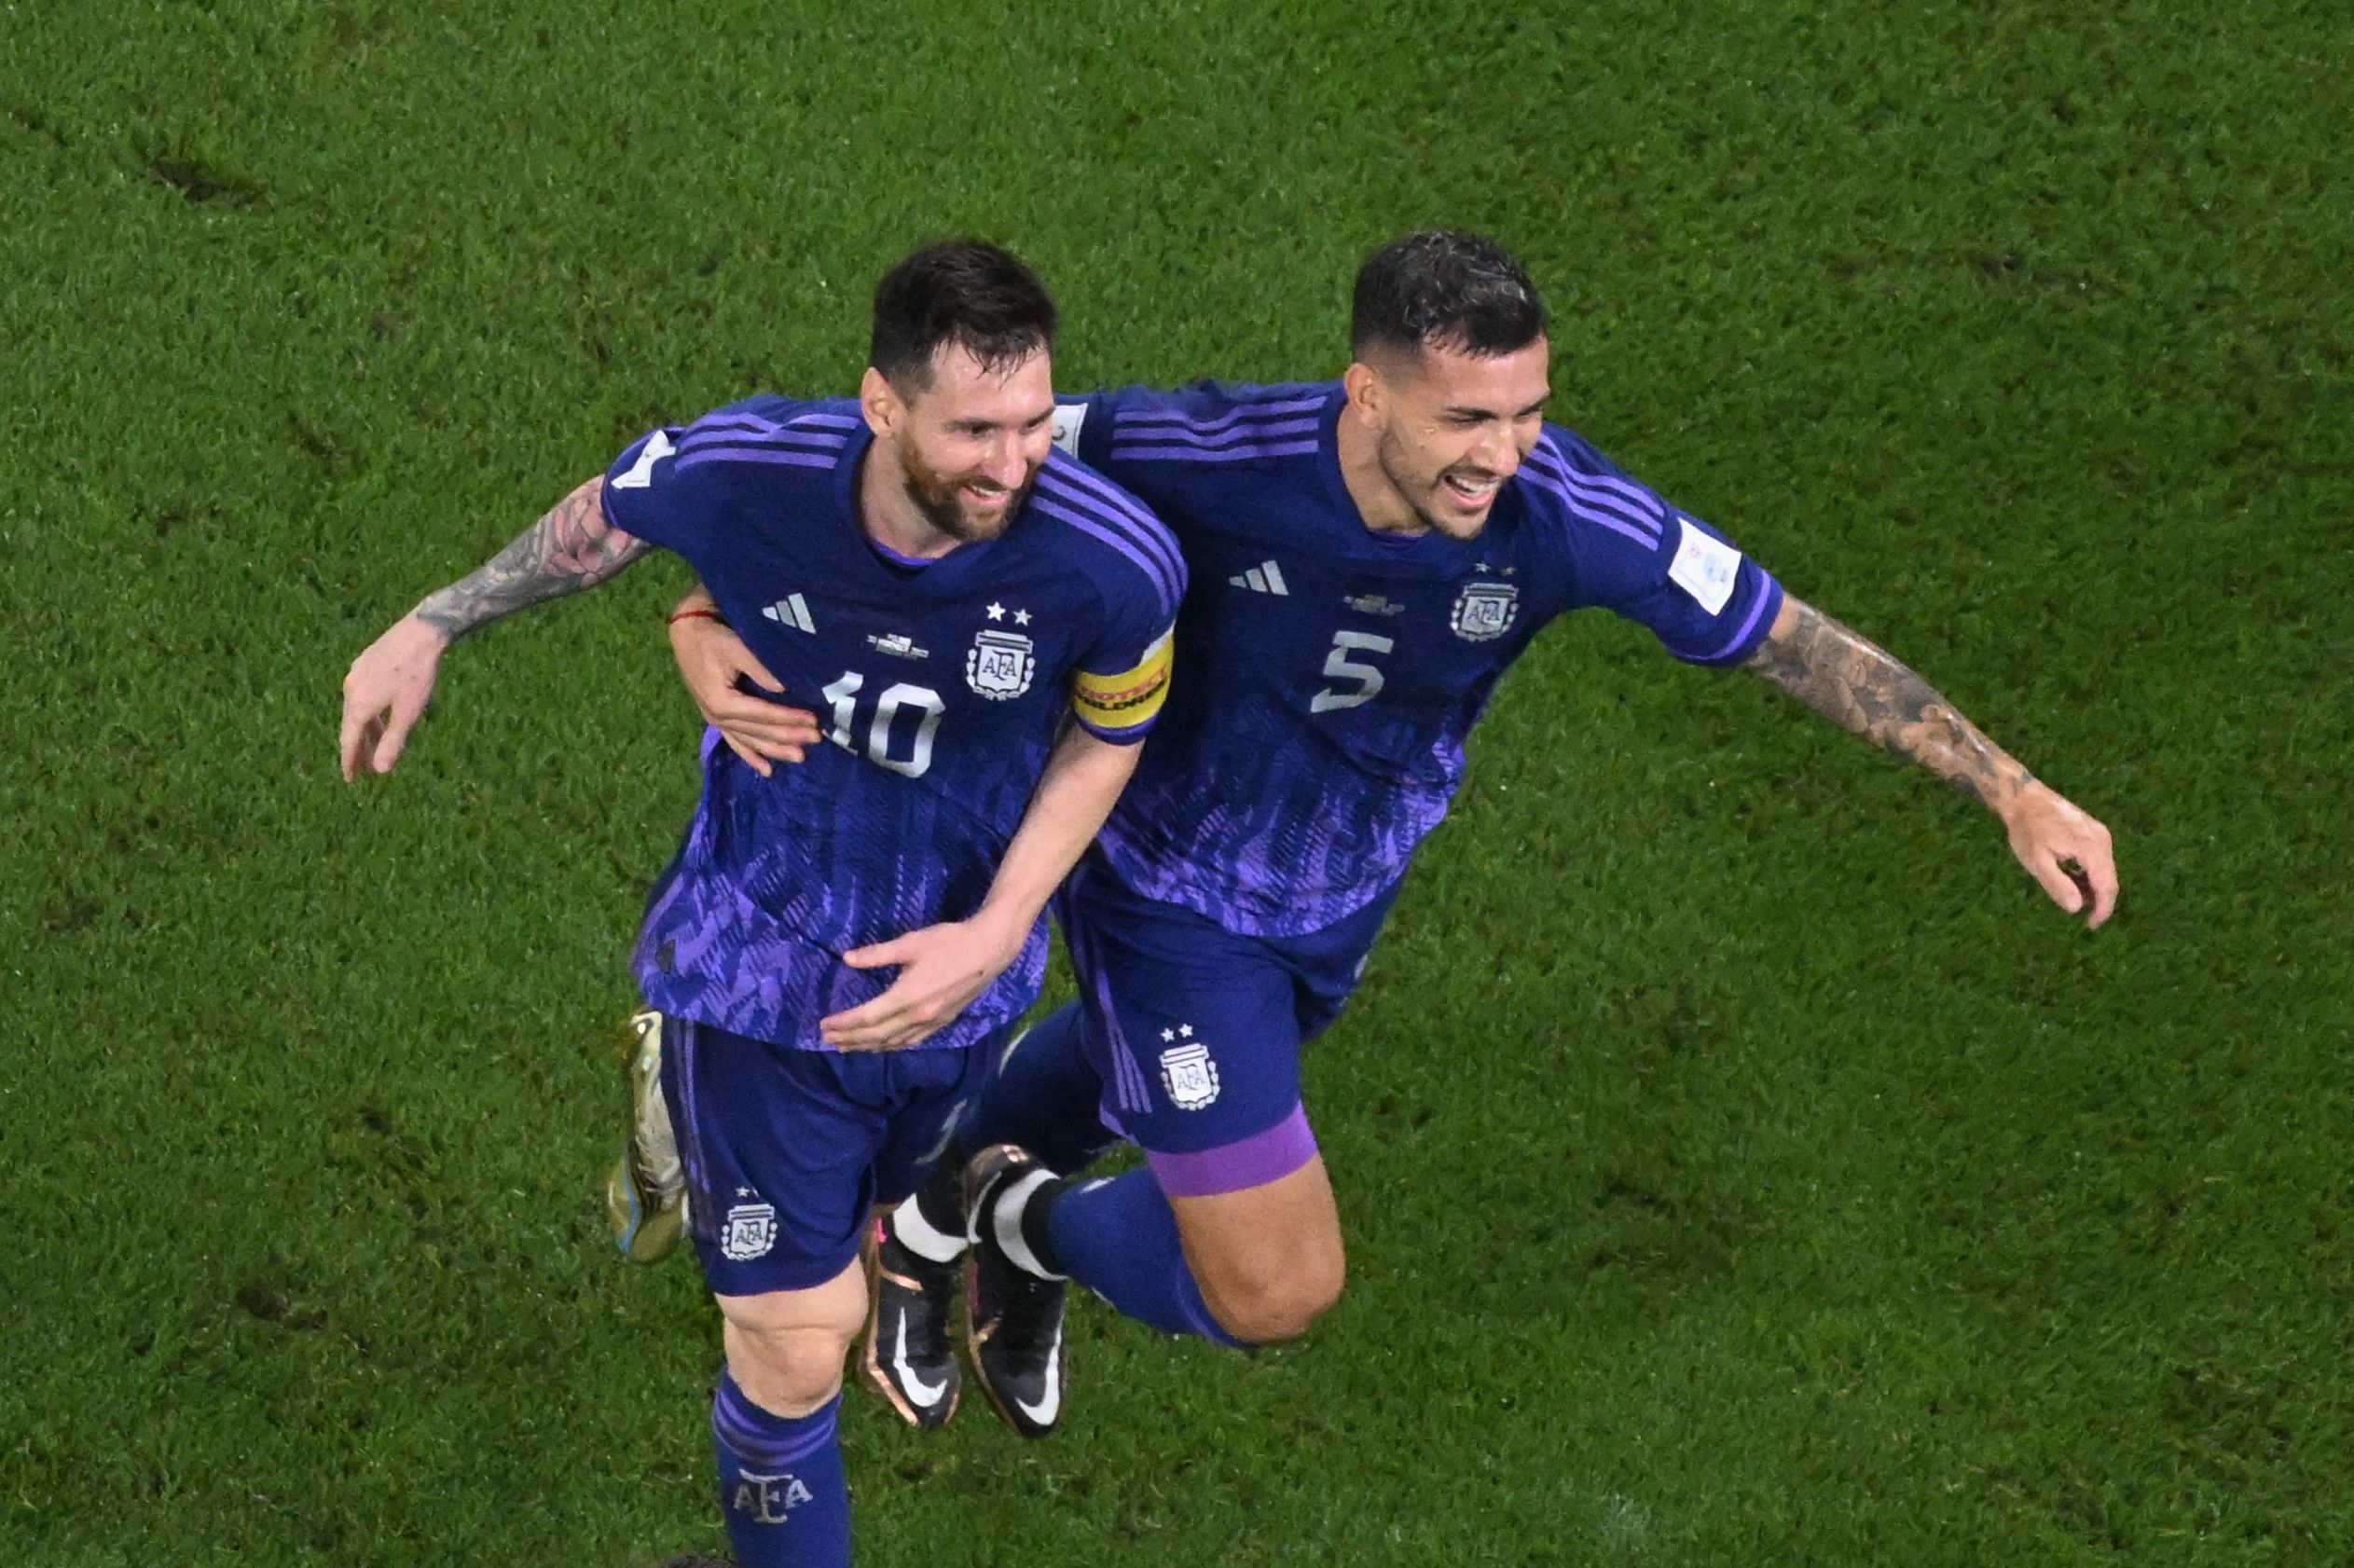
[(698, 614)]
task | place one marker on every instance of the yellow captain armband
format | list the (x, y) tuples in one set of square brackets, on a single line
[(1128, 700)]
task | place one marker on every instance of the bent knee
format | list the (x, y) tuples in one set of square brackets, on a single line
[(787, 1371), (785, 1349), (1268, 1306)]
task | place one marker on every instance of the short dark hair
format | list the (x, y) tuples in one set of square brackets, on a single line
[(1442, 288), (967, 292)]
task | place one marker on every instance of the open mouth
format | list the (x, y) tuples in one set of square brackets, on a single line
[(1471, 493)]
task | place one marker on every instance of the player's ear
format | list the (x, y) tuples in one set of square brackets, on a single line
[(1363, 383), (879, 401)]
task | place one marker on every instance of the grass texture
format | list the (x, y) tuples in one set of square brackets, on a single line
[(1740, 1164)]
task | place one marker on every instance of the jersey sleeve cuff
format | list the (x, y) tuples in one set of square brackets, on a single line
[(1764, 603)]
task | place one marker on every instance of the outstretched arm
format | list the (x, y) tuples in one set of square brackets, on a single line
[(573, 547), (943, 967), (1861, 689)]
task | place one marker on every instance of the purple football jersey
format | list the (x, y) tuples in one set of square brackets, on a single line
[(940, 685), (1326, 676)]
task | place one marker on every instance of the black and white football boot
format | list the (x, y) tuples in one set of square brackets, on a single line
[(645, 1192), (908, 1357), (1014, 1323)]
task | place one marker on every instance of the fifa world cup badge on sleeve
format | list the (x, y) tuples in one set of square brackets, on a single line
[(1707, 569), (748, 1230)]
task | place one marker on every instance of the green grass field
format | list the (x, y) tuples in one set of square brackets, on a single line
[(1742, 1166)]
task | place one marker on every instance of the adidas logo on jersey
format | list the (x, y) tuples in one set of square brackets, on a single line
[(791, 611), (1264, 578)]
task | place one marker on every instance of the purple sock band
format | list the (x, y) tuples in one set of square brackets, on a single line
[(1255, 1161), (764, 1438)]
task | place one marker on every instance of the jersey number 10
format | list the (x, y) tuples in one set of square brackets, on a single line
[(844, 693)]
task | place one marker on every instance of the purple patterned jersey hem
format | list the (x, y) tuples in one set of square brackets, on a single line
[(1253, 1161)]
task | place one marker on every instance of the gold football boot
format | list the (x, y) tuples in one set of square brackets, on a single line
[(645, 1196)]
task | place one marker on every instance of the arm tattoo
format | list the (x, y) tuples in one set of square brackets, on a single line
[(571, 548), (1864, 690)]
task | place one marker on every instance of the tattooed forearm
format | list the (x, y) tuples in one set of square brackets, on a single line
[(571, 548), (1863, 690)]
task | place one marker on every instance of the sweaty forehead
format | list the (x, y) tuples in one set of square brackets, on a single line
[(955, 362), (964, 389), (1454, 379)]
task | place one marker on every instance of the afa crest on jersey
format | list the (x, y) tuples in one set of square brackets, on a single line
[(999, 664), (1485, 610)]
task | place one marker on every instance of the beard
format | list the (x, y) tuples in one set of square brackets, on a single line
[(1420, 493), (942, 500)]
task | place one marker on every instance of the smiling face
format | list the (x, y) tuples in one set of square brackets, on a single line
[(958, 455), (1431, 434)]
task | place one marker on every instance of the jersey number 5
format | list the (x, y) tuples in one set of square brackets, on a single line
[(1338, 666), (844, 693)]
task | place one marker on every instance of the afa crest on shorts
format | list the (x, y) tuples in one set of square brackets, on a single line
[(747, 1233), (1189, 1076), (999, 664), (1485, 610)]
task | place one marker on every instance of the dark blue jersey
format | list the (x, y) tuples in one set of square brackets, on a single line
[(942, 687), (1328, 675)]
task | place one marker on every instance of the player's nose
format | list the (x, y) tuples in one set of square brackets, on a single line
[(1498, 452), (1007, 462)]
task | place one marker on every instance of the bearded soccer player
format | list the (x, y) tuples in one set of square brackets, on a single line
[(1368, 557), (983, 625)]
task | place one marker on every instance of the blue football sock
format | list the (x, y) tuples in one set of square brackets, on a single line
[(1043, 1098), (1119, 1239), (780, 1483)]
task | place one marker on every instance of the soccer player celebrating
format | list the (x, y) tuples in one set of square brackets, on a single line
[(1368, 557), (984, 626)]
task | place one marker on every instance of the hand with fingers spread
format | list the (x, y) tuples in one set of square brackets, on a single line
[(940, 969), (2065, 850), (385, 694), (714, 662), (572, 547)]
